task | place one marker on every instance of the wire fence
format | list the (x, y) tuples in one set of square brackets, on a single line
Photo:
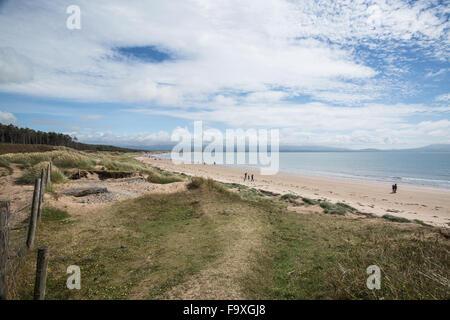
[(16, 253), (16, 241)]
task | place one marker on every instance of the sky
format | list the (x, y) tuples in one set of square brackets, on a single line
[(355, 74)]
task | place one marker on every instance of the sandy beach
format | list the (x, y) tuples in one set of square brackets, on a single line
[(429, 205)]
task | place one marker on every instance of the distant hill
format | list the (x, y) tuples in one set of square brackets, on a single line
[(285, 148), (429, 148), (432, 148)]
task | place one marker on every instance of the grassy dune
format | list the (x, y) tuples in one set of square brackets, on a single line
[(15, 148), (208, 242), (66, 161)]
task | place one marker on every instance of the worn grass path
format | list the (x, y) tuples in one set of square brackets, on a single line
[(221, 279), (209, 243)]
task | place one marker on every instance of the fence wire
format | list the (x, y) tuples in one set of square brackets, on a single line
[(16, 251)]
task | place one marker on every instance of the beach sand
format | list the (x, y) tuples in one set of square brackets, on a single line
[(430, 205)]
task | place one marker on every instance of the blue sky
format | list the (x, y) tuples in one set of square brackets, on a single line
[(352, 74)]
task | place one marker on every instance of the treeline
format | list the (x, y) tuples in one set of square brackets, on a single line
[(16, 135)]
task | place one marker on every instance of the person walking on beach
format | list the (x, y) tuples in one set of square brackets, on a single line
[(252, 178), (394, 188), (245, 176)]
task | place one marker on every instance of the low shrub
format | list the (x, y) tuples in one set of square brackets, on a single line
[(394, 218), (154, 177), (346, 207), (30, 175), (332, 208), (289, 196), (310, 201), (206, 184)]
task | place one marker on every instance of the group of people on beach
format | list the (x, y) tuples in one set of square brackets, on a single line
[(248, 177)]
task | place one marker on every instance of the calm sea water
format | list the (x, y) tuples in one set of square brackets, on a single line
[(424, 169), (431, 169)]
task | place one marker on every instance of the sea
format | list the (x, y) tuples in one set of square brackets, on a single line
[(429, 169)]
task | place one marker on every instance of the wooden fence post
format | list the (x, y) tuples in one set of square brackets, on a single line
[(34, 213), (42, 192), (49, 175), (41, 273), (4, 239)]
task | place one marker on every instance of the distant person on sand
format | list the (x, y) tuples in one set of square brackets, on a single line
[(245, 176), (252, 178), (395, 188)]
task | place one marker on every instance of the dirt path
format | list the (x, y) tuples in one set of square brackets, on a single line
[(222, 279)]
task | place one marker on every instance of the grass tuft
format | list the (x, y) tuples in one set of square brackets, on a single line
[(395, 219), (421, 223), (53, 214), (30, 175), (309, 201), (289, 196), (332, 208), (5, 164), (154, 177)]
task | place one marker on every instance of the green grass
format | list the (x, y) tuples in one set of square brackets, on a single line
[(62, 157), (29, 175), (289, 196), (394, 218), (142, 248), (332, 208), (155, 177), (6, 148), (309, 201), (66, 161), (234, 185), (53, 214), (146, 245), (421, 223), (326, 257), (5, 164), (208, 185), (346, 207)]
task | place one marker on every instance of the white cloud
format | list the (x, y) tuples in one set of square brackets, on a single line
[(437, 73), (374, 125), (443, 97), (143, 139), (222, 45), (14, 67), (92, 117), (241, 63), (307, 116), (7, 118)]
